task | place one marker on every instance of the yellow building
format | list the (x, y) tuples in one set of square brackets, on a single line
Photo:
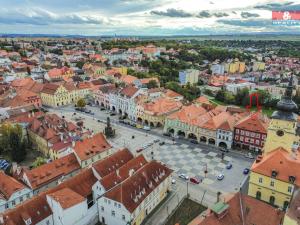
[(275, 175), (258, 66), (122, 70), (56, 95), (156, 111), (273, 178), (235, 67)]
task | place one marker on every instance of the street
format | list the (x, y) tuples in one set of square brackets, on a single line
[(180, 155)]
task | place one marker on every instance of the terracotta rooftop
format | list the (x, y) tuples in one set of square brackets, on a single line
[(37, 207), (188, 114), (129, 91), (66, 197), (137, 187), (54, 170), (257, 123), (9, 186), (162, 106), (119, 175), (92, 146), (128, 79), (281, 161), (254, 212), (113, 162)]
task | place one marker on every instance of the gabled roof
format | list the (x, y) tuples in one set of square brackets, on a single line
[(92, 146), (258, 123), (281, 161), (46, 173), (66, 197), (9, 186), (129, 91), (162, 106), (119, 175), (113, 162), (137, 187)]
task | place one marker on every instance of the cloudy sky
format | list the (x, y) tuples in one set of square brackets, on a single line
[(142, 17)]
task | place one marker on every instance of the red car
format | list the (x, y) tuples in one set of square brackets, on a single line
[(195, 180), (139, 150)]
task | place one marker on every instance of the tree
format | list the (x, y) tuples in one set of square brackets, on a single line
[(81, 103), (152, 84), (38, 162), (80, 64), (12, 142)]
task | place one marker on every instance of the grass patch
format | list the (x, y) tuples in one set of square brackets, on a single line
[(186, 212)]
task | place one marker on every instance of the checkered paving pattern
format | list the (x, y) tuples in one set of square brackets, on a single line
[(191, 161)]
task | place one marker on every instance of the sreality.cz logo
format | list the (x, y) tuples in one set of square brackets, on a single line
[(286, 18)]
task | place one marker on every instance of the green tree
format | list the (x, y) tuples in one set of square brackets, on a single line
[(38, 162), (80, 64), (152, 84), (12, 142), (81, 103)]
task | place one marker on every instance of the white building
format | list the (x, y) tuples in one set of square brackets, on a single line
[(234, 87), (217, 69), (131, 201), (12, 192)]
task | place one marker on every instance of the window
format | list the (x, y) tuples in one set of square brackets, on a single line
[(102, 208), (257, 142), (290, 189), (21, 199), (105, 200), (242, 132), (113, 213), (247, 133), (237, 131), (13, 202), (272, 184), (6, 205), (123, 217), (115, 204), (257, 135), (260, 180), (241, 138)]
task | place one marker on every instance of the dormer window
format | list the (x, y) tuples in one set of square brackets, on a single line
[(274, 173), (292, 179), (28, 221)]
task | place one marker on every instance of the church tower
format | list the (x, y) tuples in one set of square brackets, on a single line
[(282, 130)]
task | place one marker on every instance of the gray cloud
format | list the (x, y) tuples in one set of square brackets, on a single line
[(172, 13), (286, 6), (220, 14), (248, 15), (204, 14), (43, 17)]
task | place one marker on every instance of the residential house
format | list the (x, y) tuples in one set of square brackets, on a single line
[(91, 149), (12, 192)]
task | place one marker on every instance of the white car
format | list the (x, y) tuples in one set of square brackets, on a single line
[(220, 176), (249, 155), (183, 176), (173, 181)]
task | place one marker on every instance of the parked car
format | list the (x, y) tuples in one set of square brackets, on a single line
[(147, 128), (183, 176), (220, 176), (156, 140), (246, 171), (112, 114), (249, 155), (194, 141), (229, 166), (173, 181), (161, 143), (139, 150), (98, 121), (167, 134), (195, 180)]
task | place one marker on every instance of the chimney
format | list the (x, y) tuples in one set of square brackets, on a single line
[(118, 172)]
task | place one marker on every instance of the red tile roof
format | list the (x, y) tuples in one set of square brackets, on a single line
[(162, 106), (38, 209), (92, 146), (54, 170), (281, 161), (66, 197), (257, 123), (145, 180), (119, 175), (129, 91), (128, 79), (9, 185), (113, 162), (254, 211)]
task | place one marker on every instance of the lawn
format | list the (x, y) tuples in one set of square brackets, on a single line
[(186, 212), (266, 111)]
